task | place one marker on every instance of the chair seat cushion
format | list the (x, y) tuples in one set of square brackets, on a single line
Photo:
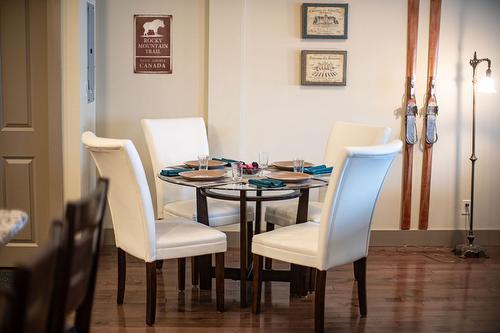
[(296, 244), (286, 214), (219, 212), (179, 238)]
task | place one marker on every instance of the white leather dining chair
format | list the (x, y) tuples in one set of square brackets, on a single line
[(342, 135), (135, 228), (172, 142), (343, 233)]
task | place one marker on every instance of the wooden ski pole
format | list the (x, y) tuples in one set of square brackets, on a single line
[(430, 130), (410, 130)]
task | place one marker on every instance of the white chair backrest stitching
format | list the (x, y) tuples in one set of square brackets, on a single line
[(129, 197), (345, 134), (172, 142), (350, 201)]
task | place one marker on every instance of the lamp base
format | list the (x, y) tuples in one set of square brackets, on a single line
[(470, 251)]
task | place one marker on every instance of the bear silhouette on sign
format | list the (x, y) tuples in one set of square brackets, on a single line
[(153, 26)]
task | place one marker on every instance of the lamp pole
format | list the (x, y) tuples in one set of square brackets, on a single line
[(471, 250)]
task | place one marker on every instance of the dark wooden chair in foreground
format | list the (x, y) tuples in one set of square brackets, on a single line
[(27, 304), (136, 230), (343, 234), (78, 262)]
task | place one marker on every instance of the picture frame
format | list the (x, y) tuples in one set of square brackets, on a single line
[(323, 67), (324, 20)]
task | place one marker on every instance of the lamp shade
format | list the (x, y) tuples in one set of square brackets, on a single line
[(487, 85)]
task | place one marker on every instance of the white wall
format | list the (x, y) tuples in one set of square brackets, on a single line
[(279, 115), (124, 98), (254, 52), (78, 115)]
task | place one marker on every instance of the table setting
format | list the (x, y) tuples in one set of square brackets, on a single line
[(217, 171), (231, 179)]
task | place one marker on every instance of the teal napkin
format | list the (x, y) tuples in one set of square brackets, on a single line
[(269, 183), (227, 160), (173, 172), (318, 170)]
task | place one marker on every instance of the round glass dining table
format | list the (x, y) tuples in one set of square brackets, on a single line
[(244, 192)]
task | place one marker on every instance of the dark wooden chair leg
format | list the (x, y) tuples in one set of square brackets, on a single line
[(219, 280), (122, 271), (312, 280), (355, 269), (257, 283), (150, 293), (361, 272), (181, 273), (159, 264), (194, 272), (268, 261), (319, 302)]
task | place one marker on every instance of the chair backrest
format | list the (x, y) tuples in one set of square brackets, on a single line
[(78, 262), (350, 201), (172, 142), (129, 197), (345, 134), (28, 302)]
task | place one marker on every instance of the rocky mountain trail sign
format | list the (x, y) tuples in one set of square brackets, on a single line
[(152, 44)]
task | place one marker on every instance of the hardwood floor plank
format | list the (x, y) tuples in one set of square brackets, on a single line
[(411, 289)]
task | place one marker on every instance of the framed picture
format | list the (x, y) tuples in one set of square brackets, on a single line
[(323, 68), (153, 44), (324, 20)]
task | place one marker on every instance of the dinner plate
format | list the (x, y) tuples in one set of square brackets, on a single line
[(211, 164), (289, 177), (202, 175), (288, 165)]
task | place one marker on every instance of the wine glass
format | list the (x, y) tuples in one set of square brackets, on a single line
[(263, 161)]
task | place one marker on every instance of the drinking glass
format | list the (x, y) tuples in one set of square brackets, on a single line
[(237, 171), (263, 161), (203, 162), (298, 165)]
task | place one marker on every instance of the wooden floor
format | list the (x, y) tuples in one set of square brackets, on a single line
[(411, 289)]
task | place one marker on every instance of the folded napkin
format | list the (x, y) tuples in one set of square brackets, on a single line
[(227, 160), (269, 183), (318, 170), (173, 172)]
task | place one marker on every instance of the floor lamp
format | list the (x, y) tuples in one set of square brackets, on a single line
[(486, 85)]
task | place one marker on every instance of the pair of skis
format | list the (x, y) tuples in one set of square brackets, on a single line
[(431, 111)]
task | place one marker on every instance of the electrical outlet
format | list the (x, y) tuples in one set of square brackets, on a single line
[(465, 206)]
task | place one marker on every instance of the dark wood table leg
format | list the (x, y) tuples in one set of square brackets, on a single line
[(204, 262), (258, 212), (250, 232), (243, 249), (300, 275)]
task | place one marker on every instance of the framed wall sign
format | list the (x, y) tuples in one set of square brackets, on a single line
[(153, 44), (324, 20), (323, 68)]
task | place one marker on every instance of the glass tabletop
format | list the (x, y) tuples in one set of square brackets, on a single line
[(227, 183)]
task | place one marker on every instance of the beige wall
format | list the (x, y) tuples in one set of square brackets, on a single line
[(254, 100), (279, 115), (124, 98)]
